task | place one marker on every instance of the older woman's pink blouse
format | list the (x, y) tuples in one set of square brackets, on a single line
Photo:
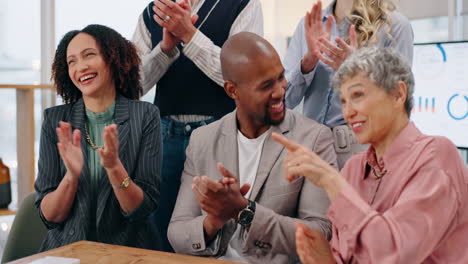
[(418, 213)]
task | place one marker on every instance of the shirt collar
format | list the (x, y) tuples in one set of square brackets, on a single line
[(402, 142)]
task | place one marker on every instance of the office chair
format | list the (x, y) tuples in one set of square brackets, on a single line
[(27, 232)]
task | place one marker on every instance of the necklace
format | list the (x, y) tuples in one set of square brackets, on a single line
[(378, 175), (90, 142)]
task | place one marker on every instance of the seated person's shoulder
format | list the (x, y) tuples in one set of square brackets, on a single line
[(207, 134), (305, 129), (58, 113), (399, 22), (146, 107), (439, 149)]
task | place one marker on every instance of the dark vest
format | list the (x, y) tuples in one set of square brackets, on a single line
[(184, 88)]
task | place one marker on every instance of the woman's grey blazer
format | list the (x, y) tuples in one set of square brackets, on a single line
[(140, 151)]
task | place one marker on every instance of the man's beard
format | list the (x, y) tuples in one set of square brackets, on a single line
[(269, 121)]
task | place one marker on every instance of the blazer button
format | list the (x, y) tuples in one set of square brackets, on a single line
[(196, 246), (71, 232), (260, 252)]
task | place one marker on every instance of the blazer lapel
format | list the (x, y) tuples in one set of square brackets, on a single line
[(123, 127), (121, 117), (78, 122), (229, 157), (270, 153)]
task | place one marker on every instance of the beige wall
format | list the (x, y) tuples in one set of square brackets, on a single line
[(281, 18), (417, 9)]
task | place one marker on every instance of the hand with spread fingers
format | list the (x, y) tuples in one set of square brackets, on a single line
[(110, 153), (314, 30), (176, 19), (302, 161), (69, 146), (312, 246), (337, 54)]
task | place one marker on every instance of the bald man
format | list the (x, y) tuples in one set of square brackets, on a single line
[(234, 202)]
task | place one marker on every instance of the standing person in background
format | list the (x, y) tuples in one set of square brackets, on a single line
[(322, 41), (180, 47), (100, 153)]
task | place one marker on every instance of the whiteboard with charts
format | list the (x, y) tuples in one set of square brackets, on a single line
[(441, 90)]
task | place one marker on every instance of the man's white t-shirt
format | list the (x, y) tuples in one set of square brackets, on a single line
[(250, 152)]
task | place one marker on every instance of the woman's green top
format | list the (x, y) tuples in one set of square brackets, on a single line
[(95, 124)]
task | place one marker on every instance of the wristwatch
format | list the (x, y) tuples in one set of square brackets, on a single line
[(124, 184), (246, 215)]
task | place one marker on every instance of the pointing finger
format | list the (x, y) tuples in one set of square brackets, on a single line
[(288, 144)]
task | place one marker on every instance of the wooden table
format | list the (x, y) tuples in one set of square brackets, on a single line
[(5, 211), (99, 253)]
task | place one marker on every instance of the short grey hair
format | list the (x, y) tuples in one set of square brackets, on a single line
[(383, 66)]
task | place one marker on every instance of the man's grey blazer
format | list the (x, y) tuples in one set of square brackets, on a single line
[(271, 237), (140, 152)]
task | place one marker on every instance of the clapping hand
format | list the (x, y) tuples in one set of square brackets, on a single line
[(69, 146), (221, 199), (314, 31), (110, 153), (312, 247), (337, 54), (177, 22)]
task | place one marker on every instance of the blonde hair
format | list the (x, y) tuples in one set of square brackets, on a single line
[(369, 16)]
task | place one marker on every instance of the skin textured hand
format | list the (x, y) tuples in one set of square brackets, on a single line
[(169, 41), (302, 161), (176, 19), (110, 153), (314, 31), (222, 199), (337, 54), (312, 247), (69, 146)]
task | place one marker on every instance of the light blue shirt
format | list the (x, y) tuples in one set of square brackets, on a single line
[(321, 102)]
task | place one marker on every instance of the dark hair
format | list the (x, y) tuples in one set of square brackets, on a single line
[(117, 52)]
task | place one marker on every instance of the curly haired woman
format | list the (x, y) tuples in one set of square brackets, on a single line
[(100, 152)]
